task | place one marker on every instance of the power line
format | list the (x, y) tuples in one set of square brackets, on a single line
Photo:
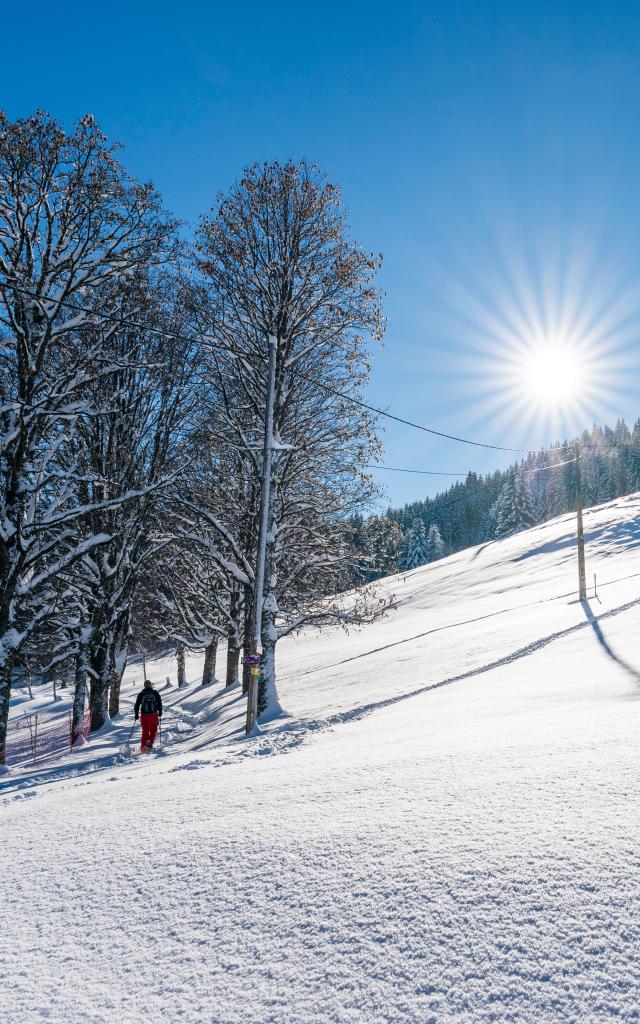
[(436, 501), (555, 465), (438, 472), (464, 498), (170, 335), (401, 469), (420, 426), (124, 321)]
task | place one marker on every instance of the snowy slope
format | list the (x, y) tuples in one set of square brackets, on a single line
[(452, 836)]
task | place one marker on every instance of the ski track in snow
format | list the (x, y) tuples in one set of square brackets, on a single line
[(462, 847), (287, 736)]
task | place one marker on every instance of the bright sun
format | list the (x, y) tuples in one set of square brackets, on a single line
[(553, 374), (548, 334)]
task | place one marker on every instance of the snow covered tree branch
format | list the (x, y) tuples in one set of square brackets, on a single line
[(72, 223)]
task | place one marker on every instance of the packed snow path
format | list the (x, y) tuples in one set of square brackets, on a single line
[(452, 836)]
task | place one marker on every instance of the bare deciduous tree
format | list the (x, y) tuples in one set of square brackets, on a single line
[(71, 221), (278, 262)]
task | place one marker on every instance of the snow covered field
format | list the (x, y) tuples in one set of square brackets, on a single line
[(445, 829)]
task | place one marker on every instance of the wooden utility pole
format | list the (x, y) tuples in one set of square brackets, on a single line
[(582, 572), (252, 657)]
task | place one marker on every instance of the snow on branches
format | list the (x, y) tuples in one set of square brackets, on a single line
[(133, 389), (277, 261), (73, 228)]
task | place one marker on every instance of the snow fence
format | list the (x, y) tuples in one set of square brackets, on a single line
[(39, 735)]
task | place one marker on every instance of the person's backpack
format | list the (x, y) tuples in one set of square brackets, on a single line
[(149, 704)]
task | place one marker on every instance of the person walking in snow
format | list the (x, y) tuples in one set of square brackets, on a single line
[(149, 707)]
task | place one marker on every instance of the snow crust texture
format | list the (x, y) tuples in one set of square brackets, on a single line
[(452, 834)]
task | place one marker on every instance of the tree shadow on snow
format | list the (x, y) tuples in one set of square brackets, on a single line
[(607, 536)]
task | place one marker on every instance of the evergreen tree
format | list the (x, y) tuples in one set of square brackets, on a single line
[(415, 551), (542, 487), (436, 547), (515, 506), (555, 493)]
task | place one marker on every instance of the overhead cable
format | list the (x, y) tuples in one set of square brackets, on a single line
[(124, 321)]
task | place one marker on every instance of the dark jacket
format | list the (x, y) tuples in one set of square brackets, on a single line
[(156, 707)]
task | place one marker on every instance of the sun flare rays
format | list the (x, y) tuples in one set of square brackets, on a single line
[(546, 346)]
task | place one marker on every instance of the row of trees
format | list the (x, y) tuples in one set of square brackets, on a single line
[(490, 507), (133, 387)]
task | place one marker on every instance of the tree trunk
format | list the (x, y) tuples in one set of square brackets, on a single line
[(180, 658), (248, 623), (233, 639), (233, 660), (99, 687), (268, 704), (67, 674), (80, 693), (6, 670), (119, 665), (114, 692), (209, 669)]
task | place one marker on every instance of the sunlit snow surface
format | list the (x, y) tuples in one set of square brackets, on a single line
[(446, 829)]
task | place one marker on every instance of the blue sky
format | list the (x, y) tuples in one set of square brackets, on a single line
[(490, 150)]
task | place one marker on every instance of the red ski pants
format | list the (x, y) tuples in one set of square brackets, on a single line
[(149, 725)]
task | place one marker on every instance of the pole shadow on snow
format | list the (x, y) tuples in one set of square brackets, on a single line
[(292, 734), (604, 643), (523, 652), (451, 625)]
